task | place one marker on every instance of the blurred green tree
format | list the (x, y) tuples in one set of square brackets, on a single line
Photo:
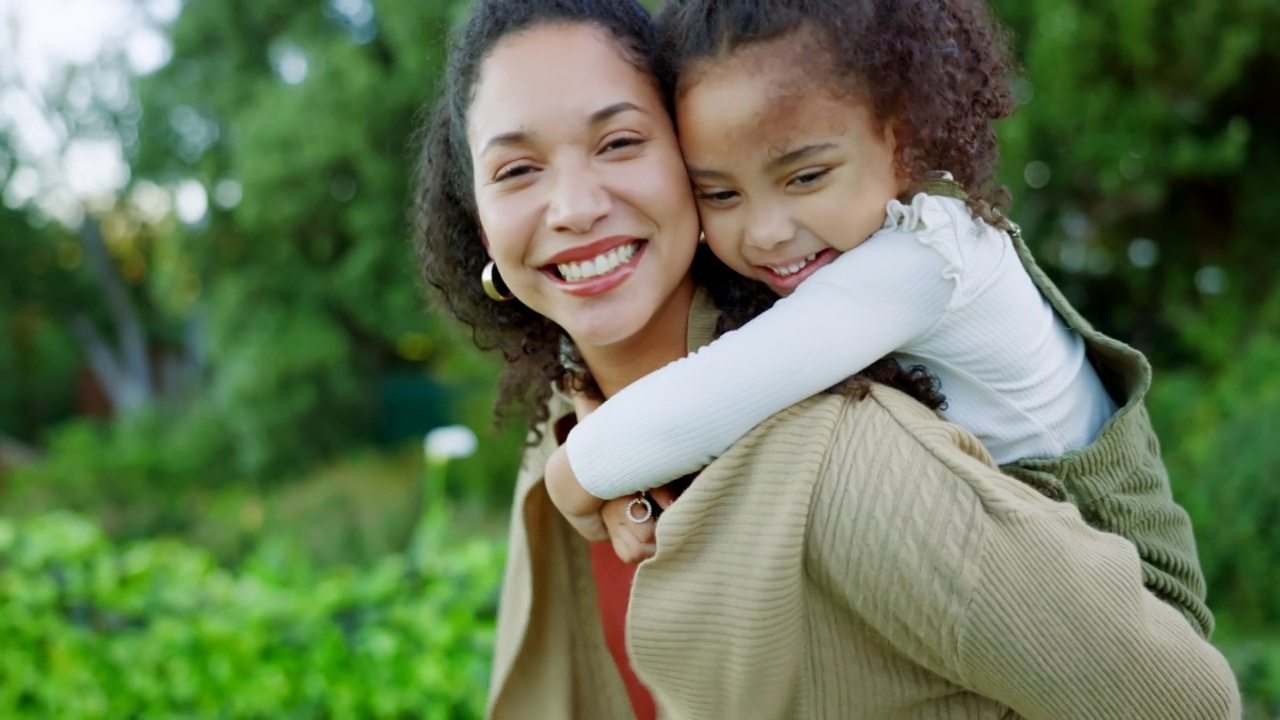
[(62, 286), (1142, 162), (294, 119)]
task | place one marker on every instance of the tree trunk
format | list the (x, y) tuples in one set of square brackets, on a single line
[(122, 367)]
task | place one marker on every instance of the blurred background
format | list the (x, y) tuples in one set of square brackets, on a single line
[(216, 368)]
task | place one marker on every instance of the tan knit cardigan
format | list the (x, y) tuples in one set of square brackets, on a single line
[(851, 559)]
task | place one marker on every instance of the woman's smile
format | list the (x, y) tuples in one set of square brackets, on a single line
[(597, 267)]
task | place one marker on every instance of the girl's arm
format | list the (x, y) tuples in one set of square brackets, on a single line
[(869, 302)]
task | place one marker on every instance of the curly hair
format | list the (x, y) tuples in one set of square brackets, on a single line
[(936, 71), (446, 229)]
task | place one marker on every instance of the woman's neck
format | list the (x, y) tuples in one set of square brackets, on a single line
[(662, 340)]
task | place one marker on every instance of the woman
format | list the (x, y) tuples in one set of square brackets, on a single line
[(894, 572)]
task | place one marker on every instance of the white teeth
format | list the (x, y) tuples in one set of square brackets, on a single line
[(599, 265), (792, 269)]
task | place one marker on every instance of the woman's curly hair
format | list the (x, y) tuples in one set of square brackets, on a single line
[(446, 228), (936, 71)]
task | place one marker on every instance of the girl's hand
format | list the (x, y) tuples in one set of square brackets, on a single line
[(632, 541), (579, 507)]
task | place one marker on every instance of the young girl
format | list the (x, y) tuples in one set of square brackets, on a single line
[(828, 143)]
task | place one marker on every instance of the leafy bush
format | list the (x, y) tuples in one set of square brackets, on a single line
[(1218, 434), (1219, 441), (157, 629), (135, 473)]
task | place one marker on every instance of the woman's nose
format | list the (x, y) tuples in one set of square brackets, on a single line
[(577, 202)]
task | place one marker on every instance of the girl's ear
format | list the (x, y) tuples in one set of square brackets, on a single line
[(891, 137), (484, 238)]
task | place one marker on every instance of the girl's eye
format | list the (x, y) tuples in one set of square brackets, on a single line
[(716, 196), (809, 178), (512, 172)]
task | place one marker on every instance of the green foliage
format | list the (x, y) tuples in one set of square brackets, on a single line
[(303, 276), (40, 279), (98, 630), (1142, 163), (1219, 440), (1256, 661), (136, 472), (1218, 434)]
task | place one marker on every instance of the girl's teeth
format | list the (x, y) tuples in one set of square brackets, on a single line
[(785, 270), (601, 264)]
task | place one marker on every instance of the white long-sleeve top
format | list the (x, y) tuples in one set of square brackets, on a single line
[(934, 286)]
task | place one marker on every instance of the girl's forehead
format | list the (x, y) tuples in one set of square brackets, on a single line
[(759, 100), (774, 72)]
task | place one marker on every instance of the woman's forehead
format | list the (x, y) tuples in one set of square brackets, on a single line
[(551, 75)]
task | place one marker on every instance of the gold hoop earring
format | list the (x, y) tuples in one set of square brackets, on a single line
[(493, 285)]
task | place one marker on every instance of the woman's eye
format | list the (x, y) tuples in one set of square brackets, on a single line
[(809, 178), (622, 142), (512, 172)]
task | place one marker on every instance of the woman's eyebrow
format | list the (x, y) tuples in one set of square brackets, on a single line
[(617, 108), (520, 137), (505, 140)]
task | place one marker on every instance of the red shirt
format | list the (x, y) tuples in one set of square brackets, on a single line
[(613, 590)]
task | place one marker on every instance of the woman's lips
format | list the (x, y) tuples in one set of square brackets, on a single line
[(620, 258), (791, 280)]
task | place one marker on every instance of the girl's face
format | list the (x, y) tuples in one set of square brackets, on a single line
[(581, 191), (788, 173)]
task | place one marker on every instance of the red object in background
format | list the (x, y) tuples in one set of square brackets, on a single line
[(91, 399), (613, 590)]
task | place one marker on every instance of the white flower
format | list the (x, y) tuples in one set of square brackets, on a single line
[(450, 441)]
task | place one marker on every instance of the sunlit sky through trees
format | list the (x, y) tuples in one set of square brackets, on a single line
[(72, 58)]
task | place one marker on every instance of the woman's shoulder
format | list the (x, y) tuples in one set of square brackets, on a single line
[(888, 441)]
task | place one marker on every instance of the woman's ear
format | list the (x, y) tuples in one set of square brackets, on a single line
[(484, 238)]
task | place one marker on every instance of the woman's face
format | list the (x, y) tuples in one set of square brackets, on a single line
[(788, 173), (581, 191)]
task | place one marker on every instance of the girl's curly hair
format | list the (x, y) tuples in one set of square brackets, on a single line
[(936, 71), (446, 228)]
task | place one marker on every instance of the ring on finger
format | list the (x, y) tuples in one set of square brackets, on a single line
[(643, 502)]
